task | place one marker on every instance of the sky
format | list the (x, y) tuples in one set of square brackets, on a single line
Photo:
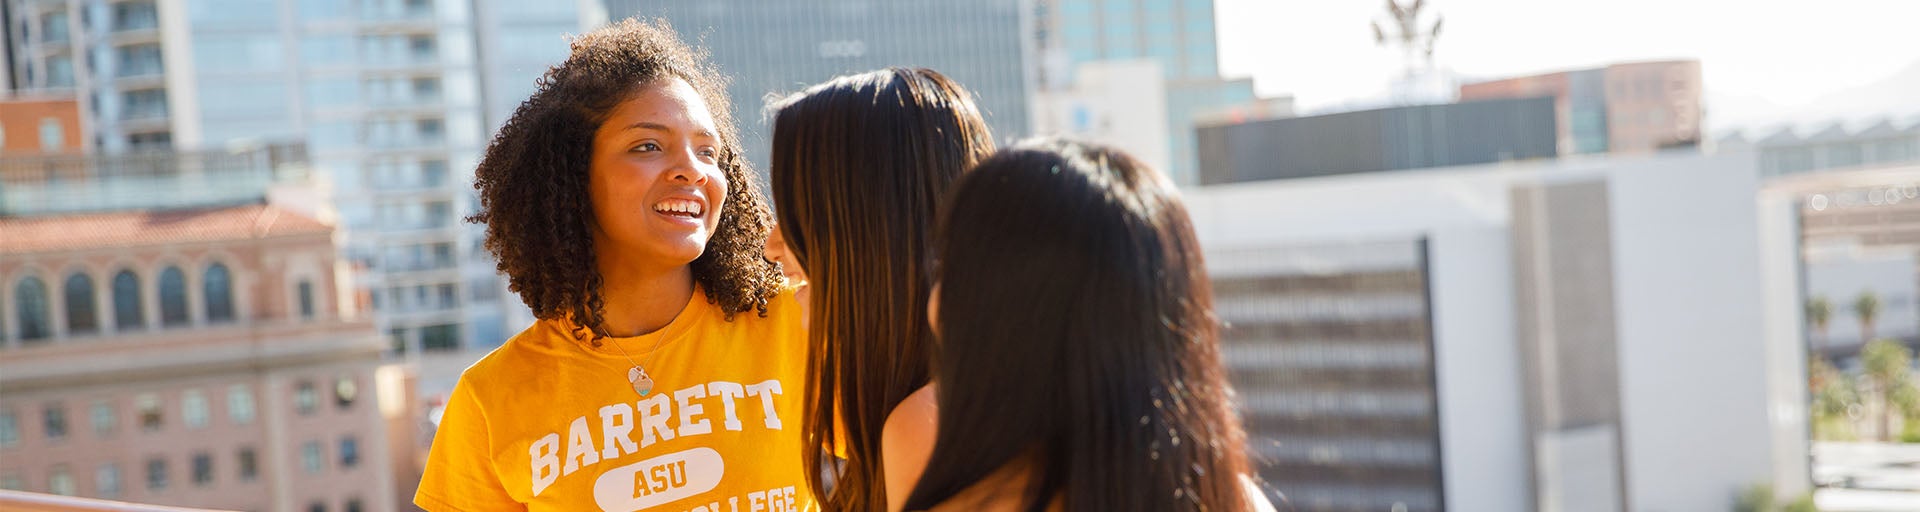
[(1763, 62)]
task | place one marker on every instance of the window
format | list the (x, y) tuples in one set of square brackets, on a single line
[(430, 130), (156, 474), (151, 417), (135, 16), (127, 314), (440, 337), (446, 293), (240, 404), (219, 291), (349, 452), (138, 60), (219, 53), (433, 172), (106, 481), (9, 428), (60, 71), (13, 482), (421, 46), (345, 391), (81, 318), (173, 297), (30, 303), (60, 481), (249, 465), (56, 420), (426, 88), (310, 456), (305, 294), (317, 506), (193, 408), (324, 50), (103, 418), (143, 104), (54, 27), (353, 505), (304, 397), (154, 141), (202, 469)]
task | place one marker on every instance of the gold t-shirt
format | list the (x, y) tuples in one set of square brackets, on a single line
[(549, 422)]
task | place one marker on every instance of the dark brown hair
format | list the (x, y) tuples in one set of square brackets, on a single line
[(860, 164), (1077, 336), (533, 179)]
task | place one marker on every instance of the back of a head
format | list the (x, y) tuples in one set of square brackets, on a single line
[(859, 165), (1075, 329)]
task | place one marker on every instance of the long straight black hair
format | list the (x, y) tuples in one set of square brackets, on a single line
[(860, 164), (1076, 338)]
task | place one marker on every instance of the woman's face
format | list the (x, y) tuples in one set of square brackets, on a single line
[(655, 179)]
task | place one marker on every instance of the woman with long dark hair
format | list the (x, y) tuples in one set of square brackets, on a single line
[(666, 366), (1077, 360), (860, 164)]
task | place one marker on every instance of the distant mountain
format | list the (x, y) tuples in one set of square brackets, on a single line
[(1897, 97)]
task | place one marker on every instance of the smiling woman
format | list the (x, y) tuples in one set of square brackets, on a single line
[(619, 207)]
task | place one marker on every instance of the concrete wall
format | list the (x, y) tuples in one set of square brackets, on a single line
[(1692, 361)]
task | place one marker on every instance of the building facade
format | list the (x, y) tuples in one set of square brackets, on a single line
[(1329, 346), (206, 358), (771, 49), (40, 126), (1410, 137), (393, 100), (1514, 336), (1630, 108), (1066, 36)]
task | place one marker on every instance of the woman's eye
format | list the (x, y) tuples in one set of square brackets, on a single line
[(708, 153), (645, 147)]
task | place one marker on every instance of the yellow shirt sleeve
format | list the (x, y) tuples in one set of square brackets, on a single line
[(460, 473)]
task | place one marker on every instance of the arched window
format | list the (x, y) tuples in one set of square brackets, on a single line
[(81, 316), (219, 293), (127, 314), (173, 297), (30, 301)]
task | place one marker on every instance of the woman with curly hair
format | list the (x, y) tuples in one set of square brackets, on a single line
[(666, 367)]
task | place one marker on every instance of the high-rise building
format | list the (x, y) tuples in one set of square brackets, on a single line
[(1066, 36), (393, 99), (1541, 335), (775, 48), (172, 340), (1635, 107)]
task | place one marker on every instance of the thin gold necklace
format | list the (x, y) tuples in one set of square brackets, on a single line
[(637, 374)]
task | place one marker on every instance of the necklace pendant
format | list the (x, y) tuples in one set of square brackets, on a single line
[(642, 383)]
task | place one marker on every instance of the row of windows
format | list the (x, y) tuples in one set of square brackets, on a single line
[(108, 481), (33, 309), (125, 16), (195, 411)]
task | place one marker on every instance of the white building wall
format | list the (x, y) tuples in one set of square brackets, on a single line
[(1464, 217), (1693, 369)]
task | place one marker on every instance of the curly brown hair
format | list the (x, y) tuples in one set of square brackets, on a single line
[(533, 180)]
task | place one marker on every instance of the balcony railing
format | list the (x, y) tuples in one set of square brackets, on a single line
[(35, 502), (59, 184)]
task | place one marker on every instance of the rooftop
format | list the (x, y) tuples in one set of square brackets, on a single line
[(144, 228)]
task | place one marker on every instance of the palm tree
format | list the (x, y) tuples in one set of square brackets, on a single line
[(1819, 312), (1886, 366), (1867, 306)]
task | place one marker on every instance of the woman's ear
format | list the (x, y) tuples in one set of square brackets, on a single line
[(933, 308)]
